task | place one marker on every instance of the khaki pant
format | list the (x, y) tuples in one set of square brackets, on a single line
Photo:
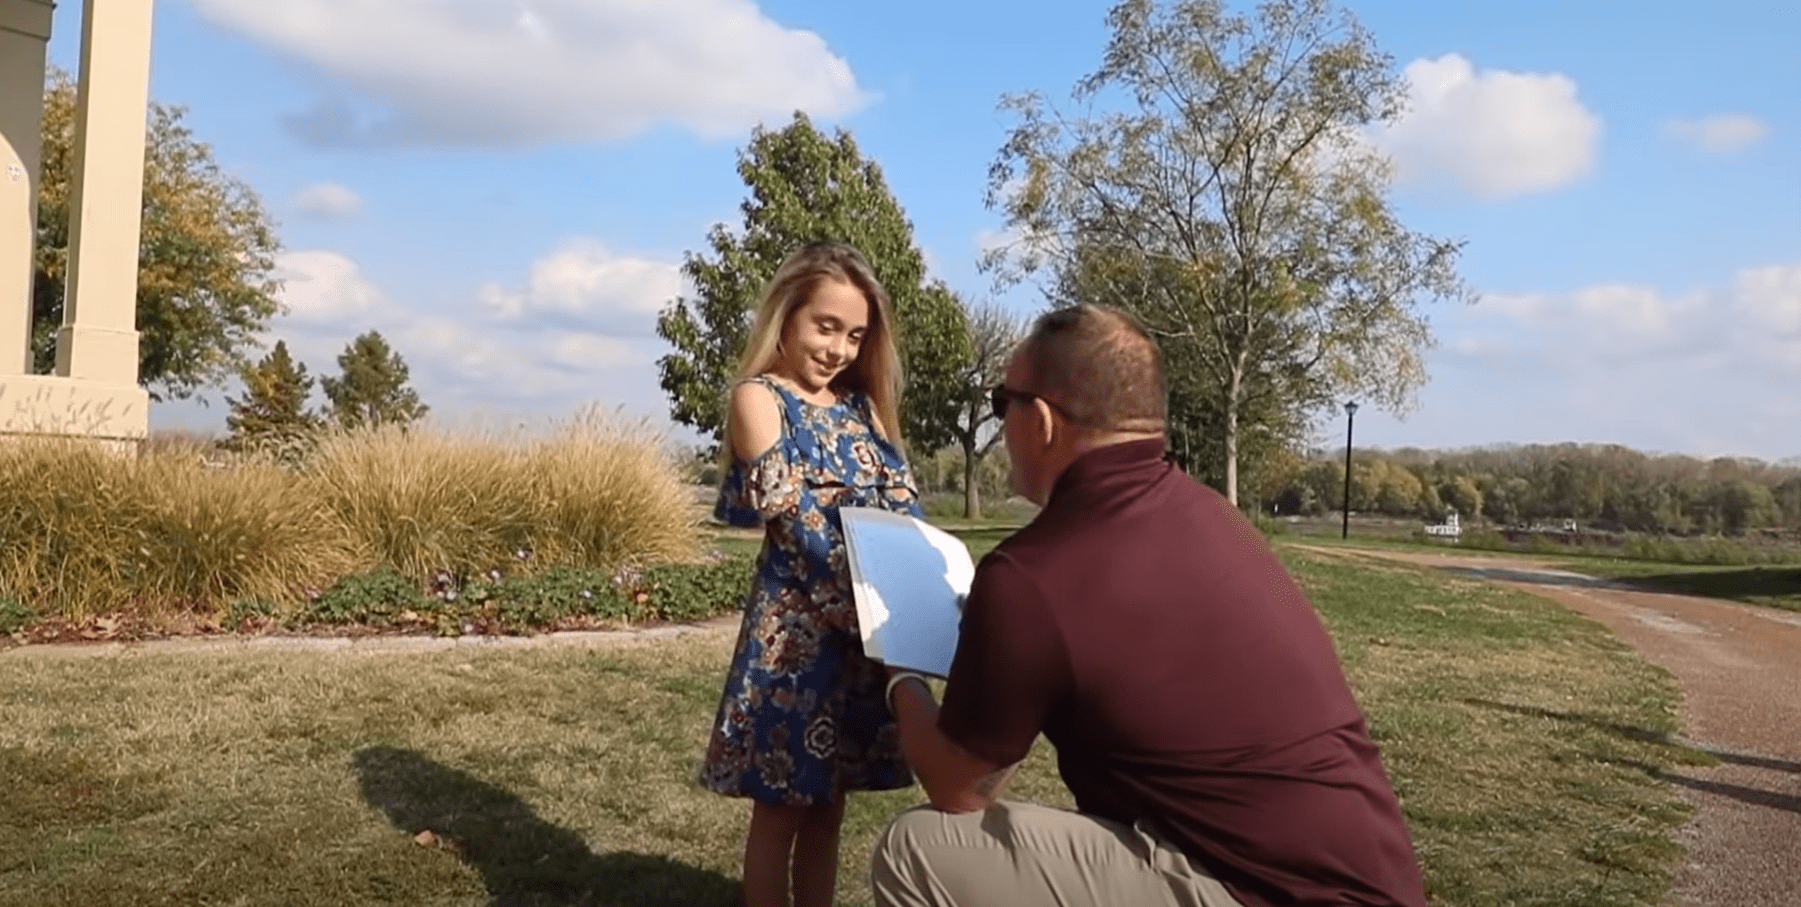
[(1021, 853)]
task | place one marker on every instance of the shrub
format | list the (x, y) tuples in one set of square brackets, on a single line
[(560, 597), (380, 597), (694, 591), (421, 502), (207, 537), (59, 502), (525, 603), (14, 615), (610, 495)]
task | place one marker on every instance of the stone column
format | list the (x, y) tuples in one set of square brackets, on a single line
[(99, 338), (24, 29), (95, 391)]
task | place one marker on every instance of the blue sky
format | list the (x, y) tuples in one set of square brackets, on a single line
[(505, 188)]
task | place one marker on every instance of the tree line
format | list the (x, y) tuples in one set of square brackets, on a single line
[(1601, 486)]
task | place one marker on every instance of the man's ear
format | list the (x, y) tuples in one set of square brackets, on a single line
[(1047, 425)]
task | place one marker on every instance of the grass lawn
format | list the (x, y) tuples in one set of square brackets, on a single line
[(1775, 587), (1525, 742)]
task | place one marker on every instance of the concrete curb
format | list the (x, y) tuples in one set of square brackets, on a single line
[(359, 645)]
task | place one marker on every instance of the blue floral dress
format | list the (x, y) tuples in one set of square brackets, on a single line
[(803, 717)]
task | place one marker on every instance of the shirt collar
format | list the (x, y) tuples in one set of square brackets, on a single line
[(1104, 470)]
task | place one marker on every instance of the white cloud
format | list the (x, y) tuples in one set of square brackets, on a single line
[(1528, 308), (1639, 311), (1720, 133), (1703, 371), (447, 345), (989, 240), (1754, 323), (587, 281), (328, 200), (1494, 133), (538, 370), (466, 363), (480, 73), (586, 351), (321, 286), (1770, 300)]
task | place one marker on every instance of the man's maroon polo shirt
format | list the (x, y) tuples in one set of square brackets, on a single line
[(1146, 628)]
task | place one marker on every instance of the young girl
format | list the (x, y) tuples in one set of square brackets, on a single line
[(811, 427)]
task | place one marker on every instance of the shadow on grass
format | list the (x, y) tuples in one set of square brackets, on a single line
[(1629, 731), (1779, 586), (524, 860), (1751, 795), (1542, 577)]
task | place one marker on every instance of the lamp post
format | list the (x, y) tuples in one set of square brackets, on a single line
[(1350, 417)]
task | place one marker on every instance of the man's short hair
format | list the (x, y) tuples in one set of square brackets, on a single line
[(1100, 365)]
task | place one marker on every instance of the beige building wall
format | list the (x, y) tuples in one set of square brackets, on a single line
[(95, 389), (24, 29)]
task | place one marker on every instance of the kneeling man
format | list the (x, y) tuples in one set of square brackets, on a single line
[(1141, 623)]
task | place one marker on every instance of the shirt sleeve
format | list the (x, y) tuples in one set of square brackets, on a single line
[(1010, 669), (754, 493), (898, 491)]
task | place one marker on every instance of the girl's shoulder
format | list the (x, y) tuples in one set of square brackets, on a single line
[(764, 381), (760, 415), (756, 395)]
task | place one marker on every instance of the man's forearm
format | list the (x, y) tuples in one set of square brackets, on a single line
[(954, 780)]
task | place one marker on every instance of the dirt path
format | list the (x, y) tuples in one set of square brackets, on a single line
[(1740, 671)]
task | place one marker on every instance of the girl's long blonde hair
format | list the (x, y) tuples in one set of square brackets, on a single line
[(876, 371)]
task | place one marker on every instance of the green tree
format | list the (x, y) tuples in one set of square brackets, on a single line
[(807, 187), (1788, 501), (272, 414), (1232, 207), (993, 333), (372, 389), (1741, 504), (1461, 495), (205, 256)]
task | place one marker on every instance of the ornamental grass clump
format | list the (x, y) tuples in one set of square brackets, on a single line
[(424, 502), (611, 495), (213, 537), (59, 545), (86, 529), (442, 508)]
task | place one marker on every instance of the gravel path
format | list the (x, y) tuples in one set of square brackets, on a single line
[(1740, 671)]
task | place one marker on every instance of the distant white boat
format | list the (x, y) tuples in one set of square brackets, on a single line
[(1449, 527)]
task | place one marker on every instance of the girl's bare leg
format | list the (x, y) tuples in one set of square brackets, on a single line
[(802, 840), (816, 855)]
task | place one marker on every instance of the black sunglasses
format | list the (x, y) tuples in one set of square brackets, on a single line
[(1001, 396)]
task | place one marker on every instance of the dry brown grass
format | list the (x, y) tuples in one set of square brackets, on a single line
[(555, 775), (595, 492), (84, 531)]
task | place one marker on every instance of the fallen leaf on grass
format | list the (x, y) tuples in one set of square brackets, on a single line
[(429, 838)]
